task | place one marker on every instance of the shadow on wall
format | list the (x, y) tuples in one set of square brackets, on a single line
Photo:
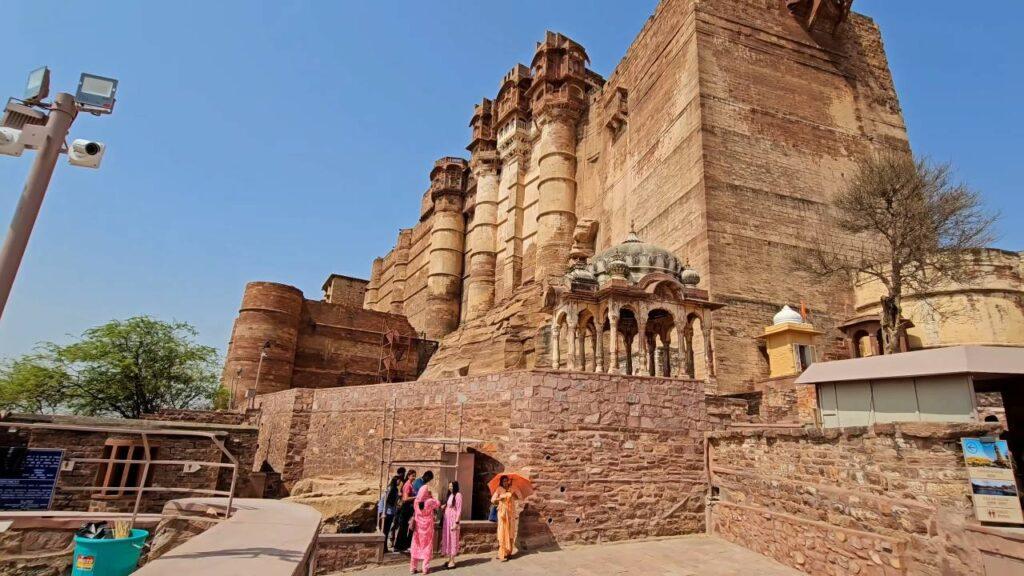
[(485, 467)]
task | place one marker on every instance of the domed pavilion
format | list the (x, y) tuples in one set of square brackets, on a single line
[(621, 310)]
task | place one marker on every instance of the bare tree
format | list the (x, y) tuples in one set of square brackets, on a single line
[(912, 227)]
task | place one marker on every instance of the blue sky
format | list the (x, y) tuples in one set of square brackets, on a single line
[(287, 140)]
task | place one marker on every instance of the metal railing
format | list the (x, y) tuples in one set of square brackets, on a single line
[(147, 462)]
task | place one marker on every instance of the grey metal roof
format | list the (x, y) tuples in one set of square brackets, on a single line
[(1001, 360)]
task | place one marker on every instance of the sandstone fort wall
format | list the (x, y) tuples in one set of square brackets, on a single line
[(612, 457), (722, 135), (310, 343)]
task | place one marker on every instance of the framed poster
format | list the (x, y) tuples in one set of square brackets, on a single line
[(28, 477), (993, 486)]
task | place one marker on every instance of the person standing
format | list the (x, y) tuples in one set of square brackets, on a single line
[(450, 528), (403, 537), (422, 550), (391, 501), (508, 521)]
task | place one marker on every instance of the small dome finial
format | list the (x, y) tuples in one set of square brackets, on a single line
[(787, 315), (631, 237)]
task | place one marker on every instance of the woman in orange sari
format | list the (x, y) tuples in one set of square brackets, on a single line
[(508, 518)]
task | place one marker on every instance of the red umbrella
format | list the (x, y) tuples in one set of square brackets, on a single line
[(520, 484)]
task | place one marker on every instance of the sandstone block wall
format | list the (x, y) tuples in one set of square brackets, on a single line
[(613, 457), (891, 499), (785, 115)]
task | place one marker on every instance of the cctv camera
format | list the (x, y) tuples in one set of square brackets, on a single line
[(9, 144), (86, 153)]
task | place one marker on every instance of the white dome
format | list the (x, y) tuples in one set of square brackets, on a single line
[(787, 314)]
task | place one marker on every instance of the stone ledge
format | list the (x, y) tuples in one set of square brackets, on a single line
[(343, 539), (71, 520), (934, 430)]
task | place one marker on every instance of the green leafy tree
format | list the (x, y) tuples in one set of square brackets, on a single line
[(124, 367)]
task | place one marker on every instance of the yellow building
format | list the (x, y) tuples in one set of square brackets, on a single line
[(790, 343)]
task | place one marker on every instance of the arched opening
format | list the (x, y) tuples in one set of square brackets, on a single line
[(659, 327), (627, 333), (696, 352), (862, 344)]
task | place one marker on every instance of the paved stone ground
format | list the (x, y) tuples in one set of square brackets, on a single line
[(686, 556)]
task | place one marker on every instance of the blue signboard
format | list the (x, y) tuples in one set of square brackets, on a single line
[(28, 477)]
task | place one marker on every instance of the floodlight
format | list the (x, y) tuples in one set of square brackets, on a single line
[(96, 94), (38, 86)]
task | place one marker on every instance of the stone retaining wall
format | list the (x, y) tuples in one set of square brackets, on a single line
[(612, 457), (889, 499)]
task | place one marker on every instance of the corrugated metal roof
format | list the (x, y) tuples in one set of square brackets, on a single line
[(1005, 360)]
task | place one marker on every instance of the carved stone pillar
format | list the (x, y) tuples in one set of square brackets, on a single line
[(447, 234), (583, 349), (709, 354), (482, 234), (598, 345), (629, 353), (652, 353), (666, 353), (686, 342), (401, 264), (555, 352), (642, 369), (573, 338), (613, 342)]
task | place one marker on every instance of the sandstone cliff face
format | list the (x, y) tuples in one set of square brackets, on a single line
[(722, 134)]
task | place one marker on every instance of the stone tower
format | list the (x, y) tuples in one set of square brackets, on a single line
[(447, 237), (267, 326)]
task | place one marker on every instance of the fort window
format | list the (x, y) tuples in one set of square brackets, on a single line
[(804, 355), (115, 475)]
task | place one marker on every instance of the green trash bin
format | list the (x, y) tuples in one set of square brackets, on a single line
[(108, 557)]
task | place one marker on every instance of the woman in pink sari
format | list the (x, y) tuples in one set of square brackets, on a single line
[(450, 528), (423, 527)]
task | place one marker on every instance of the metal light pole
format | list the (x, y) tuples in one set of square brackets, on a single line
[(23, 126), (62, 113)]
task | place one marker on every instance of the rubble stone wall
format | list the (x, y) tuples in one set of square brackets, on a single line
[(612, 457), (890, 499)]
